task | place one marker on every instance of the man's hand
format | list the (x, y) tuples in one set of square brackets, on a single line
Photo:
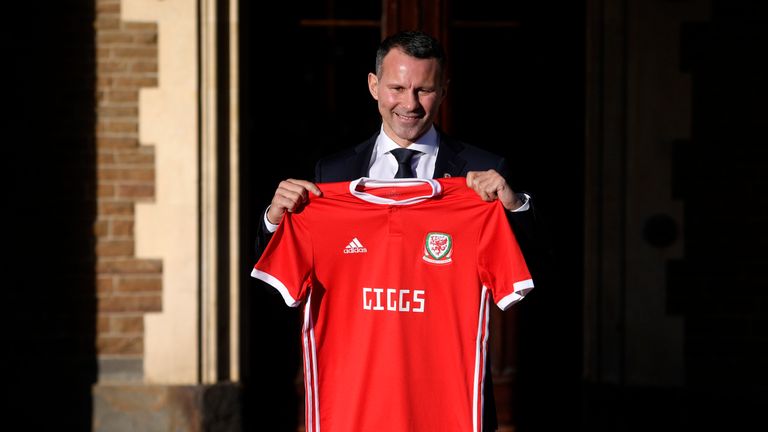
[(290, 195), (490, 185)]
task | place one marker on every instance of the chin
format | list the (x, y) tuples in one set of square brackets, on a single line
[(410, 134)]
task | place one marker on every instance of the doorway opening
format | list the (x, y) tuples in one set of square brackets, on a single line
[(517, 89)]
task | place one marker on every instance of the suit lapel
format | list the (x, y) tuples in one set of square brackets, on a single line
[(360, 164), (355, 164), (448, 163)]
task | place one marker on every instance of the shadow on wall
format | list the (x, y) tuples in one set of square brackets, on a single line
[(49, 289)]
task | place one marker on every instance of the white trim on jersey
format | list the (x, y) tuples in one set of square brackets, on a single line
[(480, 352), (308, 408), (437, 188), (275, 282), (485, 363), (312, 404), (520, 290)]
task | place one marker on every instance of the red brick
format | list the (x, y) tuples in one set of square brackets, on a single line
[(145, 156), (105, 158), (107, 22), (104, 80), (104, 284), (107, 248), (109, 66), (145, 38), (100, 228), (103, 324), (112, 112), (113, 142), (134, 82), (121, 208), (108, 37), (128, 266), (128, 324), (130, 303), (136, 191), (122, 126), (122, 96), (134, 52), (106, 191), (103, 53), (139, 284), (143, 66), (120, 345), (139, 26), (132, 174), (107, 6), (122, 228)]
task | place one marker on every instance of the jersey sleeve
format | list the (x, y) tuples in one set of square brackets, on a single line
[(501, 265), (286, 263)]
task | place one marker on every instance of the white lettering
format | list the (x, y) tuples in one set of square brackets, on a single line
[(391, 305), (418, 298), (397, 300), (350, 250), (405, 306), (378, 292)]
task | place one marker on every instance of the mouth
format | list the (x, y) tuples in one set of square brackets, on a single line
[(409, 117)]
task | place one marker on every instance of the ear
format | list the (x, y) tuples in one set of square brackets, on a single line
[(373, 85)]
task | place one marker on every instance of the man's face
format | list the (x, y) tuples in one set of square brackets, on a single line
[(409, 92)]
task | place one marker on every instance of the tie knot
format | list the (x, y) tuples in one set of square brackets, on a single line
[(404, 156)]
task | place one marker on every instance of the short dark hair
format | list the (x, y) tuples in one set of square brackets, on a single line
[(414, 43)]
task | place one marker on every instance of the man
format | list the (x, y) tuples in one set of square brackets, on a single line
[(409, 86)]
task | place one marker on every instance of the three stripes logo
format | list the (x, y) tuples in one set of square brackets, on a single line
[(355, 247)]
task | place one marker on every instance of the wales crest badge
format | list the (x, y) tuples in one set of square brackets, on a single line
[(438, 248)]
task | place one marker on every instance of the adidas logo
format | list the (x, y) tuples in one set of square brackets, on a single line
[(355, 247)]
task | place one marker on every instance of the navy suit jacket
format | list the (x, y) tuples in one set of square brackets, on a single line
[(454, 159)]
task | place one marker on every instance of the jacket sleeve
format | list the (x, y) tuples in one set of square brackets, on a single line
[(531, 233), (262, 235)]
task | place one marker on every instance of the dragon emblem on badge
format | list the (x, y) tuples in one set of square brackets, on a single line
[(438, 248)]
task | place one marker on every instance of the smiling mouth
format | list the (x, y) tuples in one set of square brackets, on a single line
[(411, 117)]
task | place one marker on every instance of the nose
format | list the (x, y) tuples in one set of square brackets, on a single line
[(411, 100)]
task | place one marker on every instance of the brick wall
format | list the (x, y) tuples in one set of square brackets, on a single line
[(127, 286)]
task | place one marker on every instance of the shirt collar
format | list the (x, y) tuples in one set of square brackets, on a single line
[(427, 143)]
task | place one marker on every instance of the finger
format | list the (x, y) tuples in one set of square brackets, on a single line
[(282, 204), (306, 185), (471, 177), (476, 181), (292, 187), (297, 193), (290, 199), (279, 206)]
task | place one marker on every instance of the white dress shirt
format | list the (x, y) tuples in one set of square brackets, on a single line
[(384, 165)]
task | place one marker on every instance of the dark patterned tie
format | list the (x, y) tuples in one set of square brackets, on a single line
[(403, 156)]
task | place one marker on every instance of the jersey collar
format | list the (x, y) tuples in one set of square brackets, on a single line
[(436, 189)]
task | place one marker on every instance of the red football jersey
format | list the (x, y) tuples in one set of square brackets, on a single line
[(395, 278)]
